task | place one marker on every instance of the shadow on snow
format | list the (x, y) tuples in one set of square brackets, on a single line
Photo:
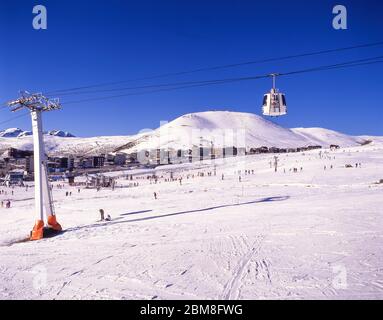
[(114, 221)]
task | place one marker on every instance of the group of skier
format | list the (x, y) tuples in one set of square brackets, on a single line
[(170, 177), (6, 204)]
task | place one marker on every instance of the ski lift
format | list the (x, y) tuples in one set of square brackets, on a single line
[(274, 102)]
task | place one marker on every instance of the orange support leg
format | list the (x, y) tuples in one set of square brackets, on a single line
[(52, 223), (38, 230)]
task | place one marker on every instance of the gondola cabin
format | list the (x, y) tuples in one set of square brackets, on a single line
[(274, 102)]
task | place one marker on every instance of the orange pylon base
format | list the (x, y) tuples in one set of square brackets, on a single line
[(38, 230), (52, 223)]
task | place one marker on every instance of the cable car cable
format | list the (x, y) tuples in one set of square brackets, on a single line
[(196, 82), (358, 62), (14, 118), (313, 53)]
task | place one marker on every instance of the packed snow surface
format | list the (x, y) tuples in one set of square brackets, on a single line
[(312, 234)]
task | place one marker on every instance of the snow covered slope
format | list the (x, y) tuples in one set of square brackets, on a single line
[(56, 145), (322, 137), (224, 128), (311, 234), (211, 128), (219, 128)]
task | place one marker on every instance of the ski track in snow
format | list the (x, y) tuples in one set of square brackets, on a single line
[(231, 290)]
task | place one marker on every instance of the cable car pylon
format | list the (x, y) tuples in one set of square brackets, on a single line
[(274, 102), (46, 222)]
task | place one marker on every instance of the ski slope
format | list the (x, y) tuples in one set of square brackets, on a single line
[(311, 234)]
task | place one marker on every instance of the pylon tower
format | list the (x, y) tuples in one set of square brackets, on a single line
[(36, 103)]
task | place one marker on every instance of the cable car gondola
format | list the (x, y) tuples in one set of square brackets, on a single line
[(274, 102)]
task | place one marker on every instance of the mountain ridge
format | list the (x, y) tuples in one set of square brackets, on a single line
[(206, 129), (224, 129), (17, 133)]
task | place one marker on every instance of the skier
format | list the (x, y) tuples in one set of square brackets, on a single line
[(102, 215), (155, 195)]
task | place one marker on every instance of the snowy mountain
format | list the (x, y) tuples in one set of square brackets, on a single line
[(224, 128), (211, 128), (12, 133), (56, 145), (321, 136), (17, 132), (60, 133)]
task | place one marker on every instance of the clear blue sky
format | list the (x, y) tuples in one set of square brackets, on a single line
[(100, 41)]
